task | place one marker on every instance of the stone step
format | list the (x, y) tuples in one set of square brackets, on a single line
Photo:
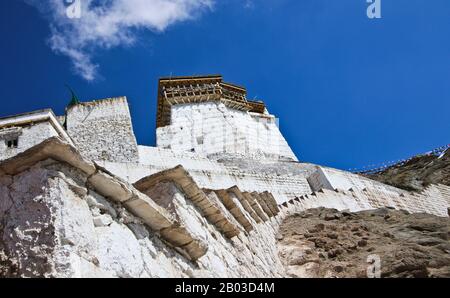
[(271, 202), (256, 206), (263, 204), (234, 208), (225, 222), (208, 206), (113, 188), (245, 203)]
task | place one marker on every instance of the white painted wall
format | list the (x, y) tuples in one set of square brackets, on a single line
[(211, 174), (29, 136), (102, 130), (432, 201), (211, 128), (330, 178)]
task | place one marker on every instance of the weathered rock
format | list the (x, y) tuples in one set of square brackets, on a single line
[(409, 245), (109, 187), (417, 173)]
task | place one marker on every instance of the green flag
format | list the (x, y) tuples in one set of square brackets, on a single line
[(74, 101)]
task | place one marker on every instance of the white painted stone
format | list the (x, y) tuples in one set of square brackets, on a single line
[(103, 220), (29, 137), (214, 175), (102, 130), (210, 128), (124, 259)]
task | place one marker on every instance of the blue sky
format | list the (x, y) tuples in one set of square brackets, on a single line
[(349, 91)]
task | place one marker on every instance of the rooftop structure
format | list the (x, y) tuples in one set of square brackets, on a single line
[(197, 89), (206, 115)]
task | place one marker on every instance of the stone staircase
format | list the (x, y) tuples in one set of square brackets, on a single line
[(230, 210)]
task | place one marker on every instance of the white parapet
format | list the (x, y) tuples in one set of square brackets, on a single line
[(329, 178), (285, 180)]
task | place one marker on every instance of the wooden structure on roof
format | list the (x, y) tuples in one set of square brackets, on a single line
[(197, 89)]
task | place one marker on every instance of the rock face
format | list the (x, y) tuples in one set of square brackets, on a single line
[(417, 173), (327, 243)]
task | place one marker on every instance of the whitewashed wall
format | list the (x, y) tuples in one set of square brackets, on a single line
[(213, 175), (373, 194), (102, 130), (210, 128), (330, 178), (28, 136), (433, 200)]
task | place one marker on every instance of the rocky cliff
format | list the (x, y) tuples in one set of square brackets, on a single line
[(324, 242), (417, 173)]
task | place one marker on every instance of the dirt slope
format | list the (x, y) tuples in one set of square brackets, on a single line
[(327, 243)]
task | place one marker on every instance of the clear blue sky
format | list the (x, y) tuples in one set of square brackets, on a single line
[(349, 91)]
